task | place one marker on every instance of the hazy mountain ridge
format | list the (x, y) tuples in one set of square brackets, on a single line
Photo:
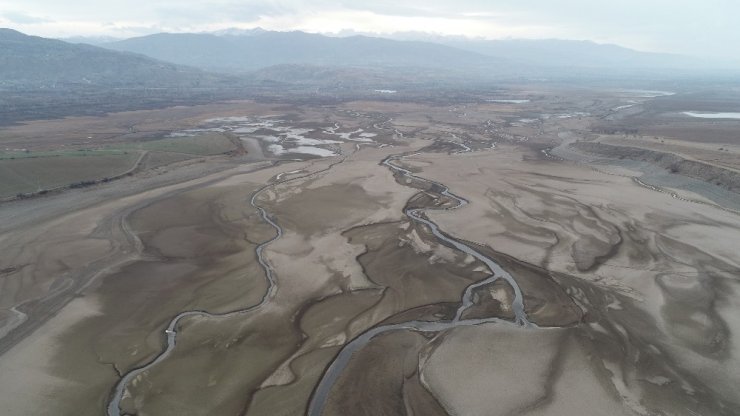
[(46, 78), (258, 58), (262, 49), (553, 52), (241, 51), (39, 62), (573, 53), (91, 40)]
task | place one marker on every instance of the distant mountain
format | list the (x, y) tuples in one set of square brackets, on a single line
[(30, 61), (318, 75), (91, 40), (572, 54), (240, 51), (556, 52), (238, 32), (261, 49)]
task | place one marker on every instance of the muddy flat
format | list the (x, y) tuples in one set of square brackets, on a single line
[(517, 256)]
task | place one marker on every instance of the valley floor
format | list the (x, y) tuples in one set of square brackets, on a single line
[(298, 282)]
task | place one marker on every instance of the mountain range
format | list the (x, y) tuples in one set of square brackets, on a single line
[(562, 53), (49, 63), (186, 60), (236, 50), (249, 52), (42, 77)]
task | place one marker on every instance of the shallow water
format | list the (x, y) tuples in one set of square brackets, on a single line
[(508, 101), (335, 369), (278, 150), (113, 408), (713, 116)]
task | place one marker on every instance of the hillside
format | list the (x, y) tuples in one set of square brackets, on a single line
[(264, 49), (34, 62), (240, 51), (572, 53), (565, 54)]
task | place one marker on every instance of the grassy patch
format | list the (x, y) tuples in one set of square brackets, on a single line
[(32, 174), (11, 155), (157, 159), (204, 145), (32, 171)]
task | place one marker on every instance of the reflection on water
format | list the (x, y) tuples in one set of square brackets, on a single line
[(735, 116), (508, 101)]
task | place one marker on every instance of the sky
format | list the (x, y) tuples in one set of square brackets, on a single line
[(690, 27)]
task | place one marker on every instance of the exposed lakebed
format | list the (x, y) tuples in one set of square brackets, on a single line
[(281, 137)]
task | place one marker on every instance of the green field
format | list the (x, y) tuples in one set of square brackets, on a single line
[(4, 155), (156, 159), (205, 145), (32, 174), (176, 149), (28, 172)]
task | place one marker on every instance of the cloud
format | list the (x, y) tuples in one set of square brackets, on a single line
[(205, 13), (23, 18), (685, 26)]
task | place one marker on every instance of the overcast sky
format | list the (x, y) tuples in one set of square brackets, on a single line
[(692, 27)]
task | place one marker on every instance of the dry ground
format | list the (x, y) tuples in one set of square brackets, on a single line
[(632, 291)]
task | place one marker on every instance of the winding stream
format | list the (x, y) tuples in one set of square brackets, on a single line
[(335, 369), (320, 395), (114, 408)]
